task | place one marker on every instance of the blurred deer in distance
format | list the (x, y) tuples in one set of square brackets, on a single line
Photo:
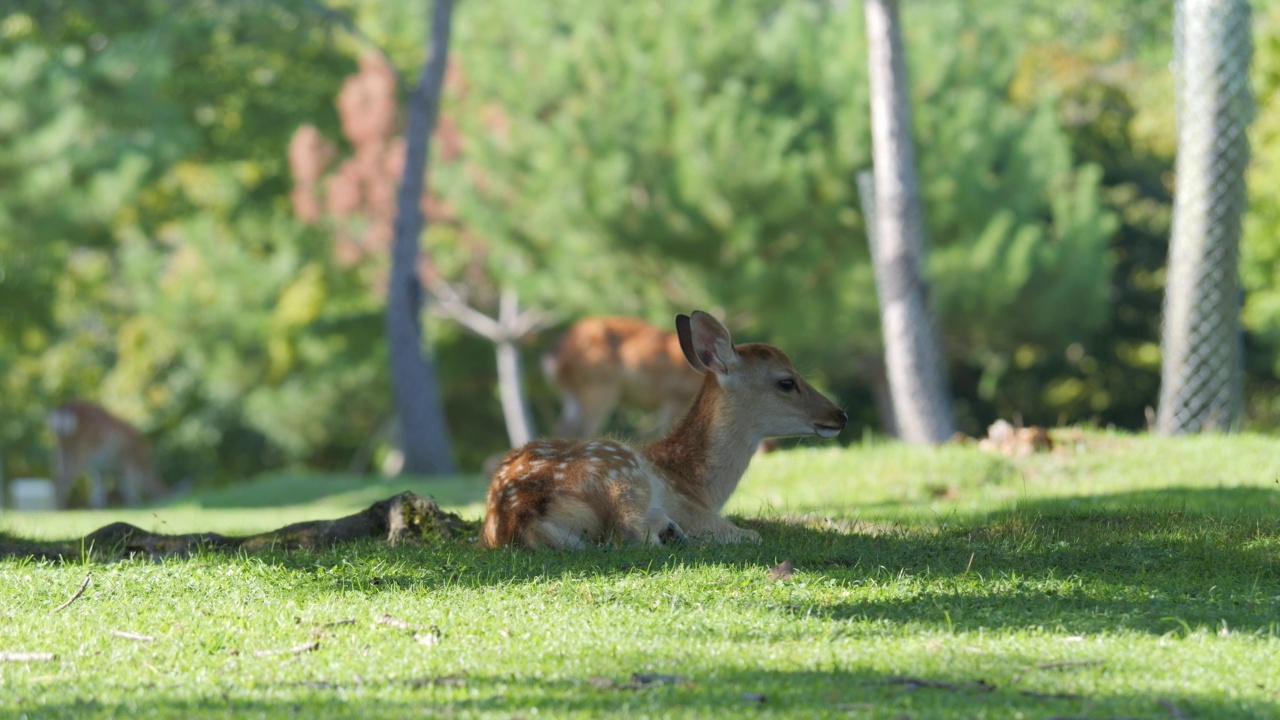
[(90, 440), (603, 362)]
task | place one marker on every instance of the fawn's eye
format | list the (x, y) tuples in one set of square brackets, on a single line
[(786, 384)]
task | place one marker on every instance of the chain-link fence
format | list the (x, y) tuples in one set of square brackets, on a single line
[(1201, 378)]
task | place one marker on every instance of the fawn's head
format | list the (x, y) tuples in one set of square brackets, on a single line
[(759, 385)]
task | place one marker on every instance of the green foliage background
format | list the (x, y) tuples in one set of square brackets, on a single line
[(639, 158)]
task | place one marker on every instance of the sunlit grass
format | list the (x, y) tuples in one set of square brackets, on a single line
[(1118, 576)]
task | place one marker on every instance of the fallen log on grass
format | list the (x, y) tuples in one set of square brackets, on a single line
[(399, 518)]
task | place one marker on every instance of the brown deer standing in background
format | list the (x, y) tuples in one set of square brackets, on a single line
[(91, 440), (603, 361), (567, 493)]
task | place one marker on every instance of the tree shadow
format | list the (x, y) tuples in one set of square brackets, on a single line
[(722, 691), (1136, 561), (1148, 561), (1226, 502), (1148, 567)]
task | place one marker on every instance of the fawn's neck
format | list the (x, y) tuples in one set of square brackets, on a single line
[(705, 455)]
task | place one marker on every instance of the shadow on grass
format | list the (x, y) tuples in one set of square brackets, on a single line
[(1147, 561), (1141, 561), (1138, 564), (1224, 501), (726, 691)]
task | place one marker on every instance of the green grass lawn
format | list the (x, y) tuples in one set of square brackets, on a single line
[(1118, 576)]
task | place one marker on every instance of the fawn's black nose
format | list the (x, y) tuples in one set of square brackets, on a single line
[(843, 417)]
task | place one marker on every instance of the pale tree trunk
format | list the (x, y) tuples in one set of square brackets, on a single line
[(424, 432), (515, 407), (917, 381), (511, 326), (515, 410)]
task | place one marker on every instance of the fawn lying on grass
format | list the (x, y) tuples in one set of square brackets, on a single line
[(567, 493)]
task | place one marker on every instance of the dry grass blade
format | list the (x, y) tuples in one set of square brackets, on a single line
[(132, 636), (73, 598), (639, 680), (914, 683), (22, 657), (1172, 709), (298, 650), (402, 625), (319, 630), (1049, 696), (442, 681), (917, 683), (317, 685), (1069, 664)]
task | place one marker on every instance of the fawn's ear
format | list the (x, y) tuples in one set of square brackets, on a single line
[(706, 343), (684, 331)]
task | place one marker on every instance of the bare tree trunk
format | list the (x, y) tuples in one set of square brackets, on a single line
[(511, 390), (515, 407), (505, 332), (875, 371), (425, 434), (921, 396)]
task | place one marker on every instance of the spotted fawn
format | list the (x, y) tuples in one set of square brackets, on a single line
[(560, 494)]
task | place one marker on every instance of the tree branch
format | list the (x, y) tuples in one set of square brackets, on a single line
[(511, 325), (450, 303)]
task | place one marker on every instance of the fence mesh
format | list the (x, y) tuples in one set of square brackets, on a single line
[(1201, 377)]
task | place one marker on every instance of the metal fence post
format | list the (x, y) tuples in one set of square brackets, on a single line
[(1201, 377)]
